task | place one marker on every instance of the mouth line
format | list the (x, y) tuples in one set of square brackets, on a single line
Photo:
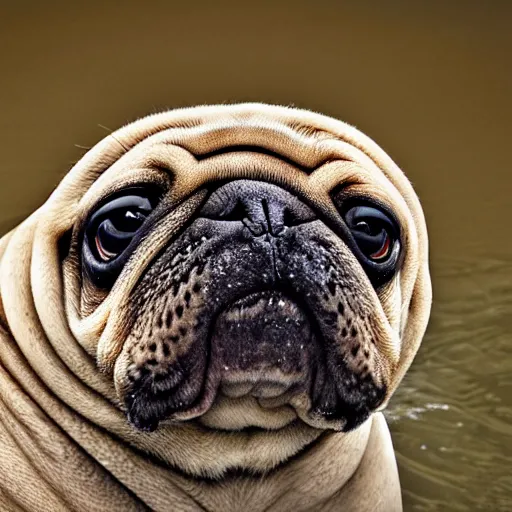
[(214, 382), (276, 293)]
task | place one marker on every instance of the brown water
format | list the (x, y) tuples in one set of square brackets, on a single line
[(430, 81)]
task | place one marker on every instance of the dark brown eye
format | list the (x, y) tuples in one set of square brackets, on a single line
[(115, 233), (373, 231), (112, 232), (374, 240), (113, 227)]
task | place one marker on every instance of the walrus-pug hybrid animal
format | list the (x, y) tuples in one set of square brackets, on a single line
[(209, 313)]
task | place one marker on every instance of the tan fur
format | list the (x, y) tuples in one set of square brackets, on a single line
[(64, 440)]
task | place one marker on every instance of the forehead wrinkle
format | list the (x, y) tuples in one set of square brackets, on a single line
[(298, 120), (312, 137), (223, 131), (244, 165), (274, 135)]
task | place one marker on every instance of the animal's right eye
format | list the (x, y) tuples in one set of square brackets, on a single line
[(111, 234), (113, 227)]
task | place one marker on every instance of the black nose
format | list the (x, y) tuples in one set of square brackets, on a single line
[(262, 207)]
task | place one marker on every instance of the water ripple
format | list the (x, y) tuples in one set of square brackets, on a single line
[(451, 418)]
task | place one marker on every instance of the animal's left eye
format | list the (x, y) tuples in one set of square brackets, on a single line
[(373, 231), (375, 238)]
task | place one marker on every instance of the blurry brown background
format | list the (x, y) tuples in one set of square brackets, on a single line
[(430, 81)]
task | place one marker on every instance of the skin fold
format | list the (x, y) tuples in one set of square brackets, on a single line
[(237, 353)]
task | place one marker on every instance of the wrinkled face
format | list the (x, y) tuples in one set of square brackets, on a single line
[(243, 295)]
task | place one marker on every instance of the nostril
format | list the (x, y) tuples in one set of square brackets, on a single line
[(238, 212), (225, 209), (289, 218)]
